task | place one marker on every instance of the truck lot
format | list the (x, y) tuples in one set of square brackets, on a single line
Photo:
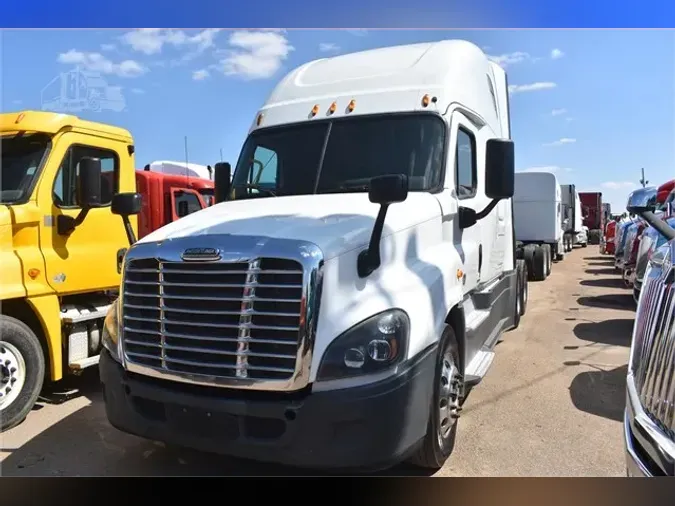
[(551, 405)]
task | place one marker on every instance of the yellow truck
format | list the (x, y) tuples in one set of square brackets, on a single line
[(64, 183)]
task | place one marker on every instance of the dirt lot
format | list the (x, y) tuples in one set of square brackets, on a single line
[(551, 405)]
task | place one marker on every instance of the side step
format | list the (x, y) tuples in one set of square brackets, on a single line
[(80, 365), (478, 367)]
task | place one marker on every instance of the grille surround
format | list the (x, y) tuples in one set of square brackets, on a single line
[(234, 319), (652, 362)]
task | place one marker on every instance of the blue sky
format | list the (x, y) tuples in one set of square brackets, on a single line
[(593, 106)]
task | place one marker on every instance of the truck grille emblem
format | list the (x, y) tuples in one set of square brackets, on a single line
[(201, 254)]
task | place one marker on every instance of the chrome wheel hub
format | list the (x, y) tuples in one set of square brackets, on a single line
[(12, 374), (449, 395)]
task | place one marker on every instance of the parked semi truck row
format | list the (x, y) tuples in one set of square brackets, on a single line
[(369, 290), (52, 303)]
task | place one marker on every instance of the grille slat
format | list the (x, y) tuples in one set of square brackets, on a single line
[(217, 319)]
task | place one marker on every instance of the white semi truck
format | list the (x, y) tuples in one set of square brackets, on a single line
[(574, 231), (340, 321), (538, 216)]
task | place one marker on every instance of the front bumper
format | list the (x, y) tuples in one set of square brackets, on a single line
[(368, 427), (649, 452)]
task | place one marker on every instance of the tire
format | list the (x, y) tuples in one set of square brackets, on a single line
[(584, 245), (21, 380), (524, 293), (528, 256), (549, 259), (539, 264), (437, 445)]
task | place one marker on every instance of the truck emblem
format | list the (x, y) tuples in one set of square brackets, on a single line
[(201, 254)]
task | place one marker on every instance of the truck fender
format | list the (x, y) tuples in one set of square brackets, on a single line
[(46, 311), (456, 320)]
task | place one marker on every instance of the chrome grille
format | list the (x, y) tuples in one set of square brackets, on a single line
[(221, 320), (654, 350)]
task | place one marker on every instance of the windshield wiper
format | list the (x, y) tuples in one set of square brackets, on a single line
[(256, 187)]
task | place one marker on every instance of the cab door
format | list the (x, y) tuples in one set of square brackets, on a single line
[(85, 259)]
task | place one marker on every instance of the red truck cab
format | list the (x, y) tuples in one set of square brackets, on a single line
[(168, 197)]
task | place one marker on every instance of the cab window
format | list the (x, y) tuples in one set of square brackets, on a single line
[(186, 203), (65, 184)]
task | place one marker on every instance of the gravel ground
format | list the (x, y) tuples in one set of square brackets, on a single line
[(551, 405)]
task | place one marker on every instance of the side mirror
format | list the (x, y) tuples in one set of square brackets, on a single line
[(642, 200), (389, 189), (127, 204), (89, 183), (500, 168), (383, 190), (222, 180)]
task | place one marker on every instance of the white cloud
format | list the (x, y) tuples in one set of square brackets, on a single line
[(255, 54), (200, 75), (108, 47), (556, 54), (510, 58), (558, 112), (547, 168), (138, 91), (560, 142), (96, 62), (521, 88), (151, 40), (618, 185), (358, 32), (328, 47), (569, 119)]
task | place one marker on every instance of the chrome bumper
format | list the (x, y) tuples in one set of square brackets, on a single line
[(649, 452)]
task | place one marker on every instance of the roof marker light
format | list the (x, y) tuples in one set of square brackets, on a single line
[(351, 106), (425, 100), (332, 108), (315, 110), (19, 118), (258, 121)]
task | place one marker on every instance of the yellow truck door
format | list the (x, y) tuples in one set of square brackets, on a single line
[(86, 259)]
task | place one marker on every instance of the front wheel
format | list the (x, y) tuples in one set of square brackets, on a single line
[(439, 441), (22, 370)]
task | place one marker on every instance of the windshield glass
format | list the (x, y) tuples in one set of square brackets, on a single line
[(341, 155), (22, 155)]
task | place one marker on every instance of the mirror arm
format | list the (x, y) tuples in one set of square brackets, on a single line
[(661, 226), (131, 237), (487, 210), (66, 224), (369, 259)]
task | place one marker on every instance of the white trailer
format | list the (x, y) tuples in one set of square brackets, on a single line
[(538, 217), (574, 232), (341, 322)]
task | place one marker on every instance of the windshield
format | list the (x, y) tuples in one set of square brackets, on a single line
[(22, 155), (341, 155)]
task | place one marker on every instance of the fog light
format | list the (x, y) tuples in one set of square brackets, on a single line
[(355, 358)]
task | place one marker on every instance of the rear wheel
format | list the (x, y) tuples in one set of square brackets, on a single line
[(22, 370), (549, 259), (539, 264), (528, 256), (439, 441)]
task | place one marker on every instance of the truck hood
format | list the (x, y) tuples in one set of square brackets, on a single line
[(337, 223)]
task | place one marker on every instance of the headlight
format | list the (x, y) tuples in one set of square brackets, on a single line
[(374, 345), (111, 334)]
